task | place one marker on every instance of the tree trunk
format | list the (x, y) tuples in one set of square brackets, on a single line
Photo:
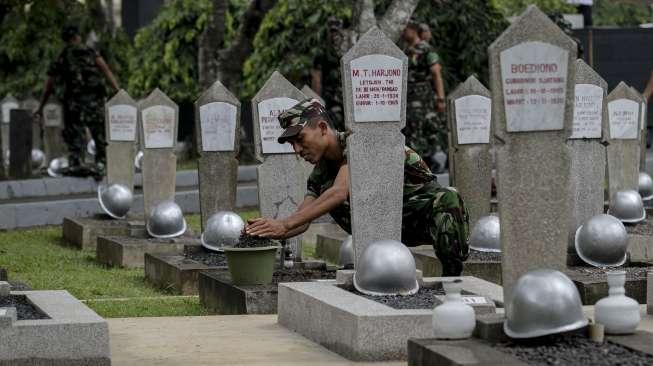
[(210, 42), (230, 60), (396, 17)]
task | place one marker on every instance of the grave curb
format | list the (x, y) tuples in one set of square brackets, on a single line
[(166, 271), (75, 335), (119, 251)]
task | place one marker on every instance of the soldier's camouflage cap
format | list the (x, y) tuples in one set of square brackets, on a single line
[(295, 118)]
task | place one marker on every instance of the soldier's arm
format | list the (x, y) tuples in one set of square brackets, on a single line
[(327, 201), (302, 228), (99, 61), (649, 88), (47, 91), (316, 81), (436, 73)]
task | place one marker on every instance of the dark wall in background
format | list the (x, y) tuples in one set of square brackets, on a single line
[(138, 13), (620, 54)]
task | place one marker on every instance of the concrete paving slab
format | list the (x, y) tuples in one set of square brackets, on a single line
[(241, 340)]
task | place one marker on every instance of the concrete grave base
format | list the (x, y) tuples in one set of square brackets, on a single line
[(82, 232), (219, 295), (128, 252), (649, 293), (430, 265), (73, 336), (475, 351), (640, 247), (593, 288), (175, 271), (358, 328)]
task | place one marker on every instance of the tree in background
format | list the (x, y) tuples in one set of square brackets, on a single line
[(515, 7), (620, 13)]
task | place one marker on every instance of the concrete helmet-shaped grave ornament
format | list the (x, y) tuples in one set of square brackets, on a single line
[(346, 253), (38, 159), (138, 161), (486, 235), (166, 221), (386, 267), (115, 200), (645, 186), (627, 206), (602, 241), (543, 302), (223, 229), (57, 166)]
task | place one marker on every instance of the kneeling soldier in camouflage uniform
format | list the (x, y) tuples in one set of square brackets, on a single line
[(431, 214)]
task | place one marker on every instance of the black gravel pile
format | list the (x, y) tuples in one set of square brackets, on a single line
[(247, 241), (643, 228), (574, 350), (212, 259), (423, 299), (632, 273), (475, 255), (301, 275), (24, 309)]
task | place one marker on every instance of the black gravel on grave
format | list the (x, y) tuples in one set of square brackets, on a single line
[(423, 299), (211, 259), (247, 241), (24, 309), (632, 273), (643, 228), (301, 275), (475, 255), (572, 350)]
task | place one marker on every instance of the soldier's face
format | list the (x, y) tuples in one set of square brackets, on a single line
[(311, 142)]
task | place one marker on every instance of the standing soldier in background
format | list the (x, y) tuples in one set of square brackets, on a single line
[(425, 121), (79, 70), (325, 74)]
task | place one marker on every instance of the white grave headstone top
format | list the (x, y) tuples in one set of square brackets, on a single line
[(218, 124), (473, 117), (6, 108), (122, 122), (376, 82), (588, 111), (268, 111), (623, 115), (53, 115), (534, 76), (158, 127)]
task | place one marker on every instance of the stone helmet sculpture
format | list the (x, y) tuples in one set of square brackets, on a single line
[(138, 161), (627, 206), (115, 200), (166, 221), (38, 158), (223, 229), (645, 186), (602, 241), (543, 302), (57, 166), (386, 267), (91, 149), (346, 253), (486, 235)]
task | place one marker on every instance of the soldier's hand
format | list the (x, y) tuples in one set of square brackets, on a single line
[(266, 228), (440, 105)]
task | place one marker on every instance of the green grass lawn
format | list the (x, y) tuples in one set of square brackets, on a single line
[(38, 258)]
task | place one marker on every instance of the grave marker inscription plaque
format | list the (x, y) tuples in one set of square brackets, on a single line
[(121, 123)]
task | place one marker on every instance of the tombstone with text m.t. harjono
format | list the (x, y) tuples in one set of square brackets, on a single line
[(121, 124), (470, 126), (158, 121), (532, 83), (374, 75), (217, 119), (282, 174)]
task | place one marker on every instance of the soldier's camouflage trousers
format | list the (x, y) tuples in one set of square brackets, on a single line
[(74, 135), (445, 223)]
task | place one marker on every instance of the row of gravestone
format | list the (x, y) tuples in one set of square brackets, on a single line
[(44, 135)]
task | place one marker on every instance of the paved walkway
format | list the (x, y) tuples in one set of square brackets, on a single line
[(228, 340), (216, 340)]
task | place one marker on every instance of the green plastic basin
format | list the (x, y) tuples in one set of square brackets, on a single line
[(251, 266)]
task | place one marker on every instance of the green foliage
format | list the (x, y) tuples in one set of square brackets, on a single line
[(288, 39), (516, 7), (613, 13), (165, 52)]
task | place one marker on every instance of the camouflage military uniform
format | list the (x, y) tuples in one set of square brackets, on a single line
[(431, 214), (329, 65), (83, 98), (425, 128)]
